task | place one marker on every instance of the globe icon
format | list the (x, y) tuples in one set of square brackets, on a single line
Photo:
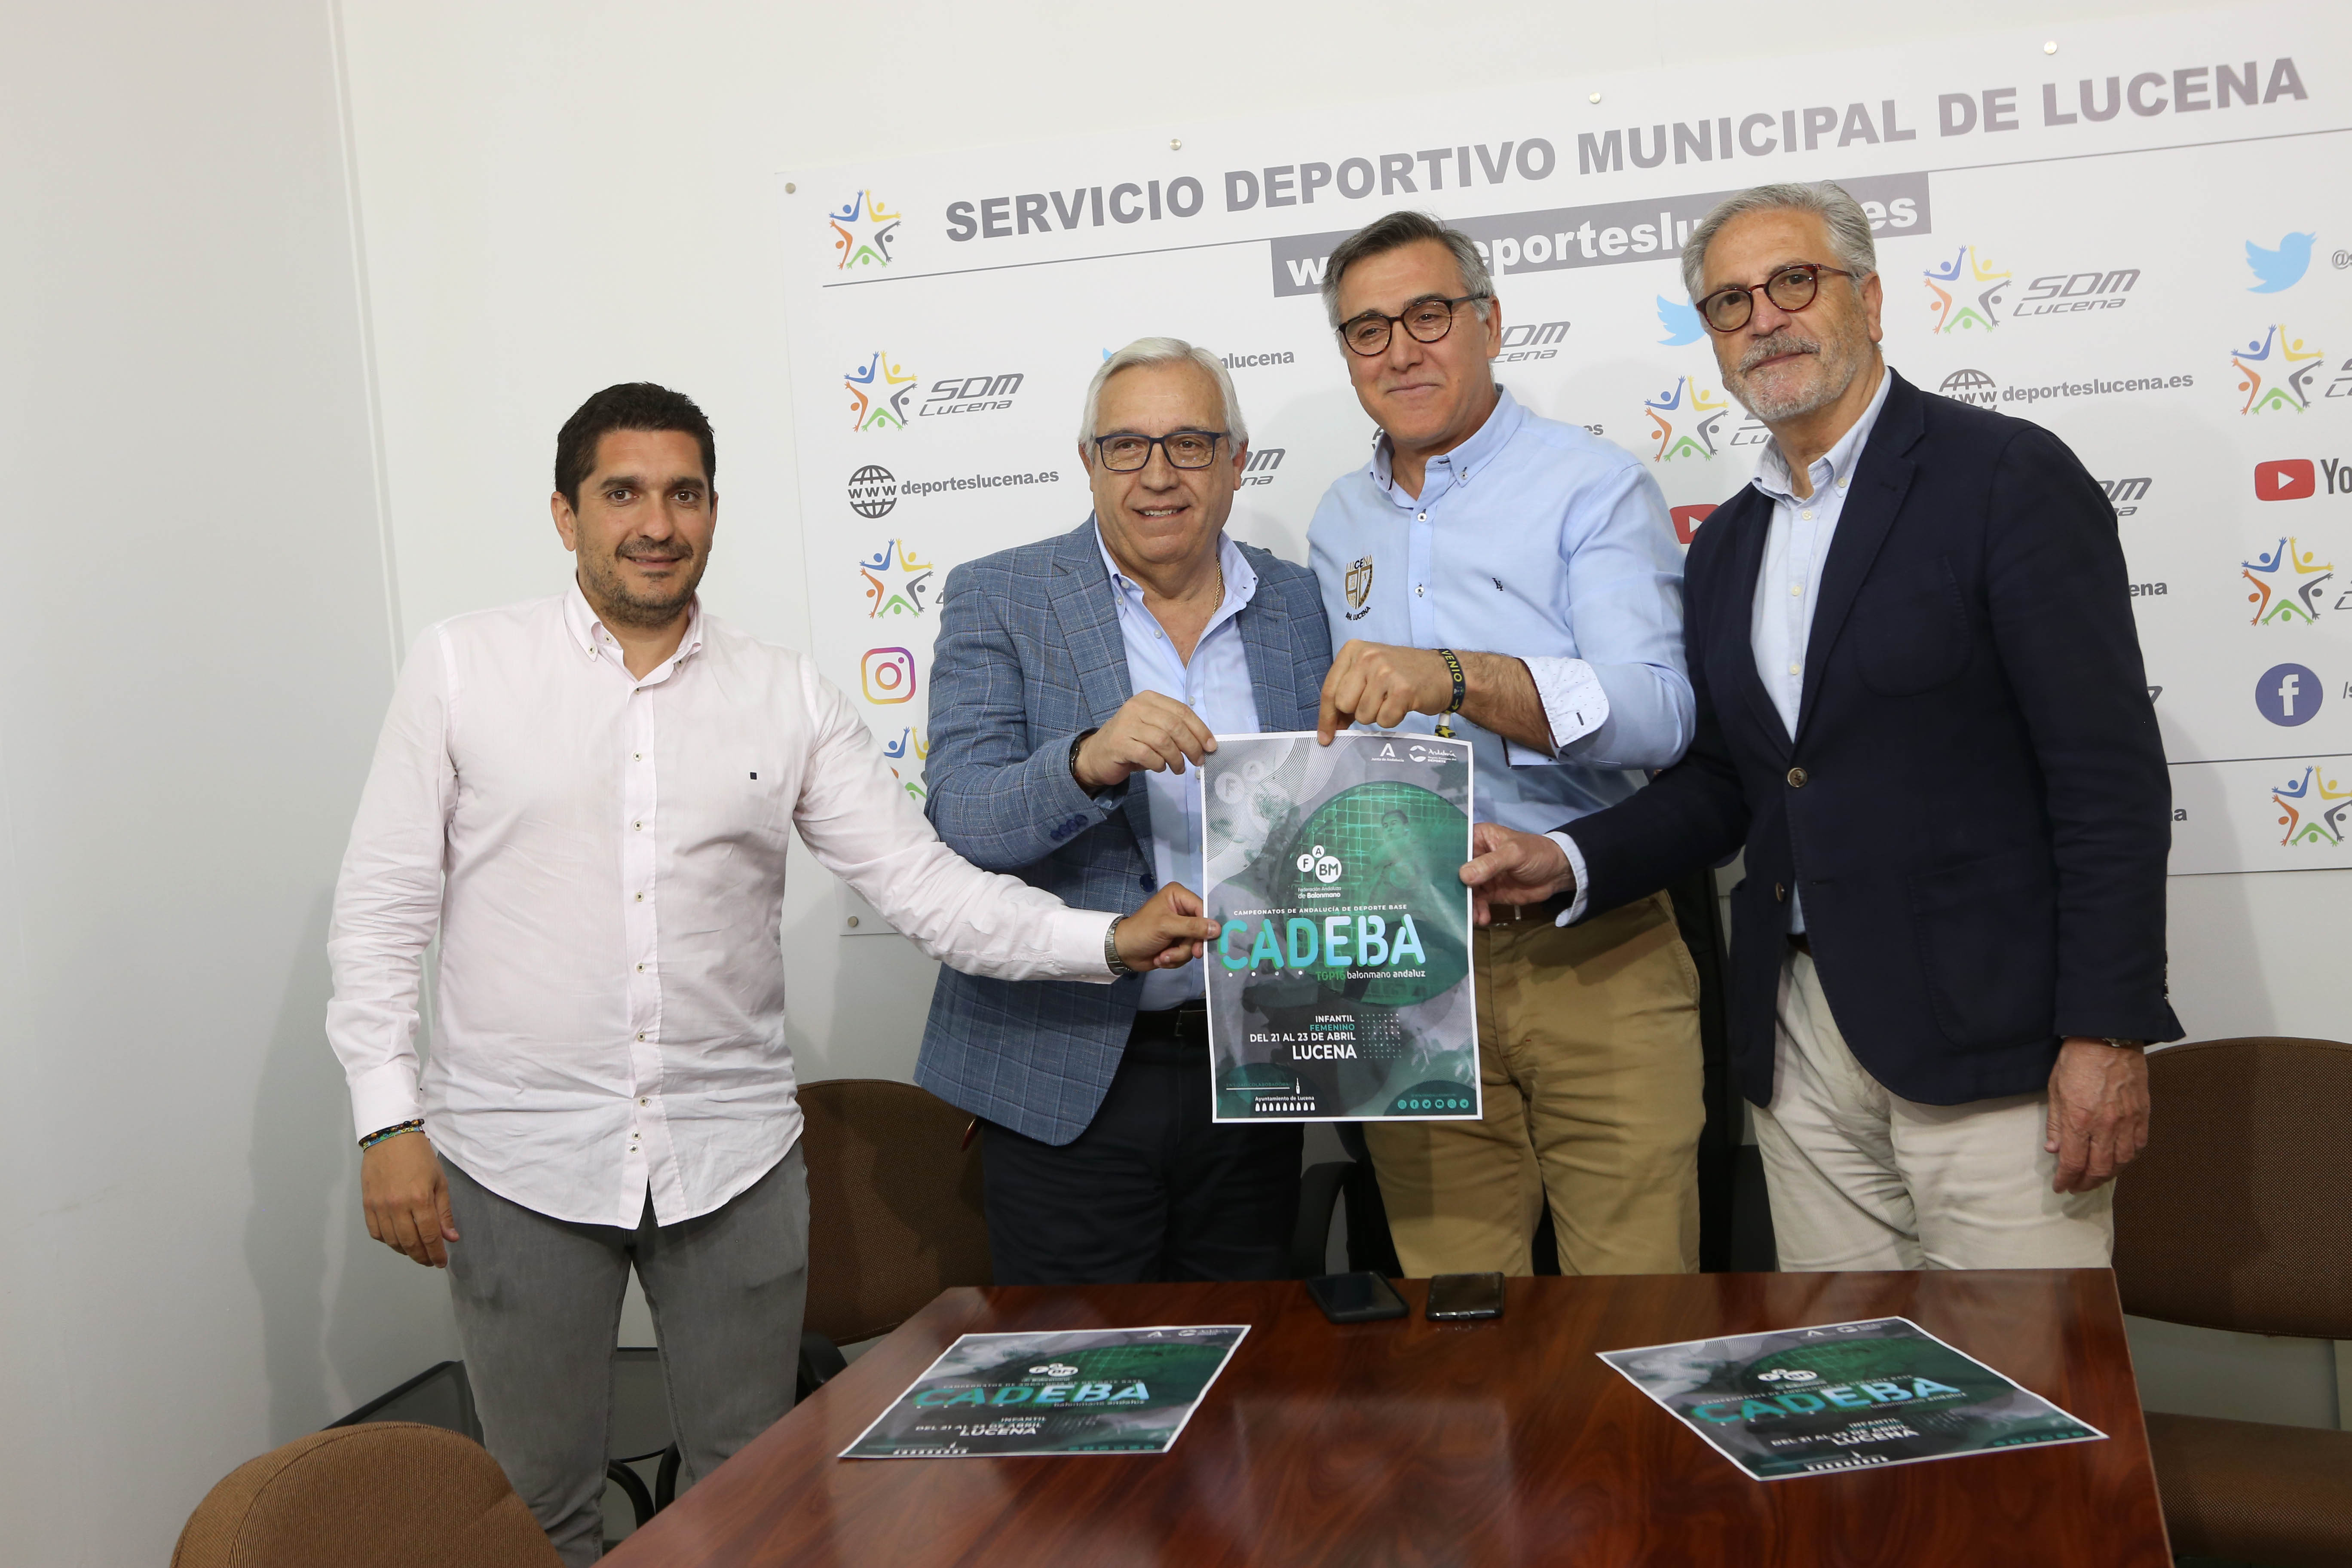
[(873, 491), (1961, 384)]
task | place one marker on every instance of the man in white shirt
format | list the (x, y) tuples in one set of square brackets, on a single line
[(592, 797)]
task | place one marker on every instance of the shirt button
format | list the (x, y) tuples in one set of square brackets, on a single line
[(1779, 895), (641, 897), (1806, 515), (1796, 670), (645, 1102), (640, 756), (641, 969), (639, 826), (1796, 590), (641, 1034), (1797, 777), (1418, 590)]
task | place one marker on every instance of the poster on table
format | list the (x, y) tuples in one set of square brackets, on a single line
[(2025, 190), (1092, 1390), (1339, 985), (1841, 1397)]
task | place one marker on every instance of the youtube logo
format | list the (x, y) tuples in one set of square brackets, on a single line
[(1688, 518), (2285, 479)]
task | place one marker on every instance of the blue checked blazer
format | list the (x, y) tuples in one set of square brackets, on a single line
[(1029, 654)]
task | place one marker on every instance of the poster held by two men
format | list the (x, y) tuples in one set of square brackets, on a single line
[(1340, 988)]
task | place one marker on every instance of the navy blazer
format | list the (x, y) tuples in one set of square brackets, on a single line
[(1975, 803), (1029, 655)]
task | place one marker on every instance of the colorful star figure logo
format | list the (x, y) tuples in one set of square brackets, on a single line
[(2287, 582), (1965, 272), (2275, 370), (909, 750), (879, 391), (862, 232), (895, 581), (1706, 411), (2304, 811)]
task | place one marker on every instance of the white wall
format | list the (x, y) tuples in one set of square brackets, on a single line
[(203, 651), (554, 196)]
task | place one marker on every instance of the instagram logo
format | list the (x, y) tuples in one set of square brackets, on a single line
[(887, 674)]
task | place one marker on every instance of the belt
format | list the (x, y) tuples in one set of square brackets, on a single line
[(1546, 914), (1801, 942), (1184, 1025)]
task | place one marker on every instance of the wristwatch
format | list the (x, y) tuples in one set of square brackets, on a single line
[(1118, 967)]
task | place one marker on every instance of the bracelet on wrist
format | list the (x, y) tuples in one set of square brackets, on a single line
[(1077, 742), (1461, 690), (394, 1130)]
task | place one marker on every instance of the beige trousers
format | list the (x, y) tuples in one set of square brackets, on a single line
[(1589, 1065), (1862, 1178)]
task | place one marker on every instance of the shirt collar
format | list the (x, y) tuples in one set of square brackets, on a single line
[(589, 632), (1240, 579), (1834, 467), (1486, 442)]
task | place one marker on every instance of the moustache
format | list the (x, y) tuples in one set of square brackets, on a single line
[(1779, 343), (649, 553)]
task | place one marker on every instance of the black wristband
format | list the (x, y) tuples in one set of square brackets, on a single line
[(1076, 741), (1461, 690)]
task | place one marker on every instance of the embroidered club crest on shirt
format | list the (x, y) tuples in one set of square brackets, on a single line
[(1359, 588)]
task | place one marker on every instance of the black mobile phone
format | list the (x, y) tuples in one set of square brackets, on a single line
[(1466, 1296), (1360, 1298)]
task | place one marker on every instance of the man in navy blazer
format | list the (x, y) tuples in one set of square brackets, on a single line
[(1922, 714), (1076, 684)]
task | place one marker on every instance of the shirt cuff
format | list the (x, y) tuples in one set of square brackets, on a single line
[(385, 1097), (1078, 937), (1574, 704), (1575, 911)]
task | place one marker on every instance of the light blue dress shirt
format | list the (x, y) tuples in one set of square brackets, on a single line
[(1536, 539), (1214, 684), (1796, 547)]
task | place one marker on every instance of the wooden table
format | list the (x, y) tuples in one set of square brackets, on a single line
[(1410, 1442)]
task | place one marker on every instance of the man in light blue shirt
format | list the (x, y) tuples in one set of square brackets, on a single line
[(1076, 684), (1516, 579)]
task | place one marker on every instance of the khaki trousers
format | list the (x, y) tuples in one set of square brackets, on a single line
[(1862, 1178), (1589, 1063)]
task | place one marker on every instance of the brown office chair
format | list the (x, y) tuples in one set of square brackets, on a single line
[(894, 1211), (2237, 1217), (384, 1494)]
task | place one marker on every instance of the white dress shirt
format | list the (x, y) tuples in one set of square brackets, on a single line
[(603, 858), (1796, 547)]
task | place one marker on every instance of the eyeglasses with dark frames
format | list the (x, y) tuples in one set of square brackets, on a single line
[(1124, 453), (1428, 320), (1791, 290)]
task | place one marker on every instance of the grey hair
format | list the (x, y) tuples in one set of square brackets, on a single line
[(1849, 227), (1163, 350), (1395, 232)]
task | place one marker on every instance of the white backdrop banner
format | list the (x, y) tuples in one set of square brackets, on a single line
[(2133, 239)]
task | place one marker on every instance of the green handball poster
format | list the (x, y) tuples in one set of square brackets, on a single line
[(1842, 1397), (1340, 988)]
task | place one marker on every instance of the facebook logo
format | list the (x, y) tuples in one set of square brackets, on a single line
[(2287, 694)]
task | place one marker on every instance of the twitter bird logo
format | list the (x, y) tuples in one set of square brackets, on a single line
[(2280, 269), (1682, 323)]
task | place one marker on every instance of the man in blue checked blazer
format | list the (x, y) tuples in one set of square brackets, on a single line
[(1076, 684)]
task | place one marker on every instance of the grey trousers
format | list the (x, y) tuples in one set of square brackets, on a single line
[(538, 1305)]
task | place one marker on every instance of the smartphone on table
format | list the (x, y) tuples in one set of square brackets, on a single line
[(1457, 1296), (1360, 1298)]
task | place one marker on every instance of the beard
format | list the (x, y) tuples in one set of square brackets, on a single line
[(1817, 379), (612, 595)]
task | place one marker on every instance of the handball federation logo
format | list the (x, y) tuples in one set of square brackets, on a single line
[(1966, 290), (879, 391), (873, 491), (862, 232), (1322, 867), (2275, 370)]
